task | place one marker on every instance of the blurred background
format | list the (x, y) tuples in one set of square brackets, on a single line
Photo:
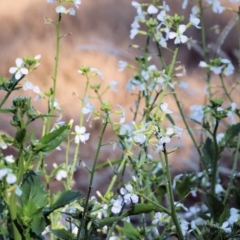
[(98, 36)]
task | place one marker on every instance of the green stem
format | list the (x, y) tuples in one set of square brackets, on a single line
[(186, 124), (205, 48), (171, 198), (91, 178), (215, 160), (75, 158), (234, 168), (162, 94), (225, 89), (55, 71)]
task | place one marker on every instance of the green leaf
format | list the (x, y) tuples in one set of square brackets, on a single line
[(20, 135), (131, 232), (232, 132), (65, 198), (52, 140), (216, 207), (33, 188), (168, 116), (225, 215), (208, 153), (62, 233), (183, 187)]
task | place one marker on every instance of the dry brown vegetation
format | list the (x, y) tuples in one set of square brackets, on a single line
[(99, 38)]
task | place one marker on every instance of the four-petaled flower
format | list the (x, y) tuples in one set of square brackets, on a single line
[(164, 107), (19, 70), (129, 195), (81, 134), (179, 37), (117, 204)]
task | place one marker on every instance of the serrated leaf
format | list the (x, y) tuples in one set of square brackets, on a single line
[(232, 132), (208, 153), (52, 140), (131, 232), (216, 207), (33, 188), (62, 233), (65, 198), (183, 187), (225, 215)]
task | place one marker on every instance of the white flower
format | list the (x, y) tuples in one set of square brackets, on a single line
[(133, 33), (140, 138), (225, 227), (72, 11), (194, 21), (113, 85), (164, 107), (219, 137), (11, 178), (61, 9), (88, 109), (160, 218), (122, 65), (129, 196), (18, 191), (185, 3), (97, 72), (19, 70), (203, 64), (122, 119), (152, 9), (9, 159), (216, 6), (234, 216), (228, 67), (184, 226), (231, 112), (3, 145), (76, 3), (51, 1), (117, 205), (197, 112), (29, 86), (81, 135), (60, 174), (179, 37)]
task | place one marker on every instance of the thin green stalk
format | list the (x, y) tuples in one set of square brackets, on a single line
[(57, 25), (10, 90), (186, 124), (160, 208), (162, 94), (215, 160), (75, 158), (225, 89), (171, 197), (114, 178), (205, 48), (234, 168), (91, 178)]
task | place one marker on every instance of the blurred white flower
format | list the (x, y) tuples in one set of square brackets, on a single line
[(129, 195), (179, 37), (19, 70), (10, 177), (122, 65), (117, 205), (88, 109), (152, 9), (9, 159), (113, 85), (81, 135), (164, 107)]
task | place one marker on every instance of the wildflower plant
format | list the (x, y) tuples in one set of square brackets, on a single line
[(153, 204)]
